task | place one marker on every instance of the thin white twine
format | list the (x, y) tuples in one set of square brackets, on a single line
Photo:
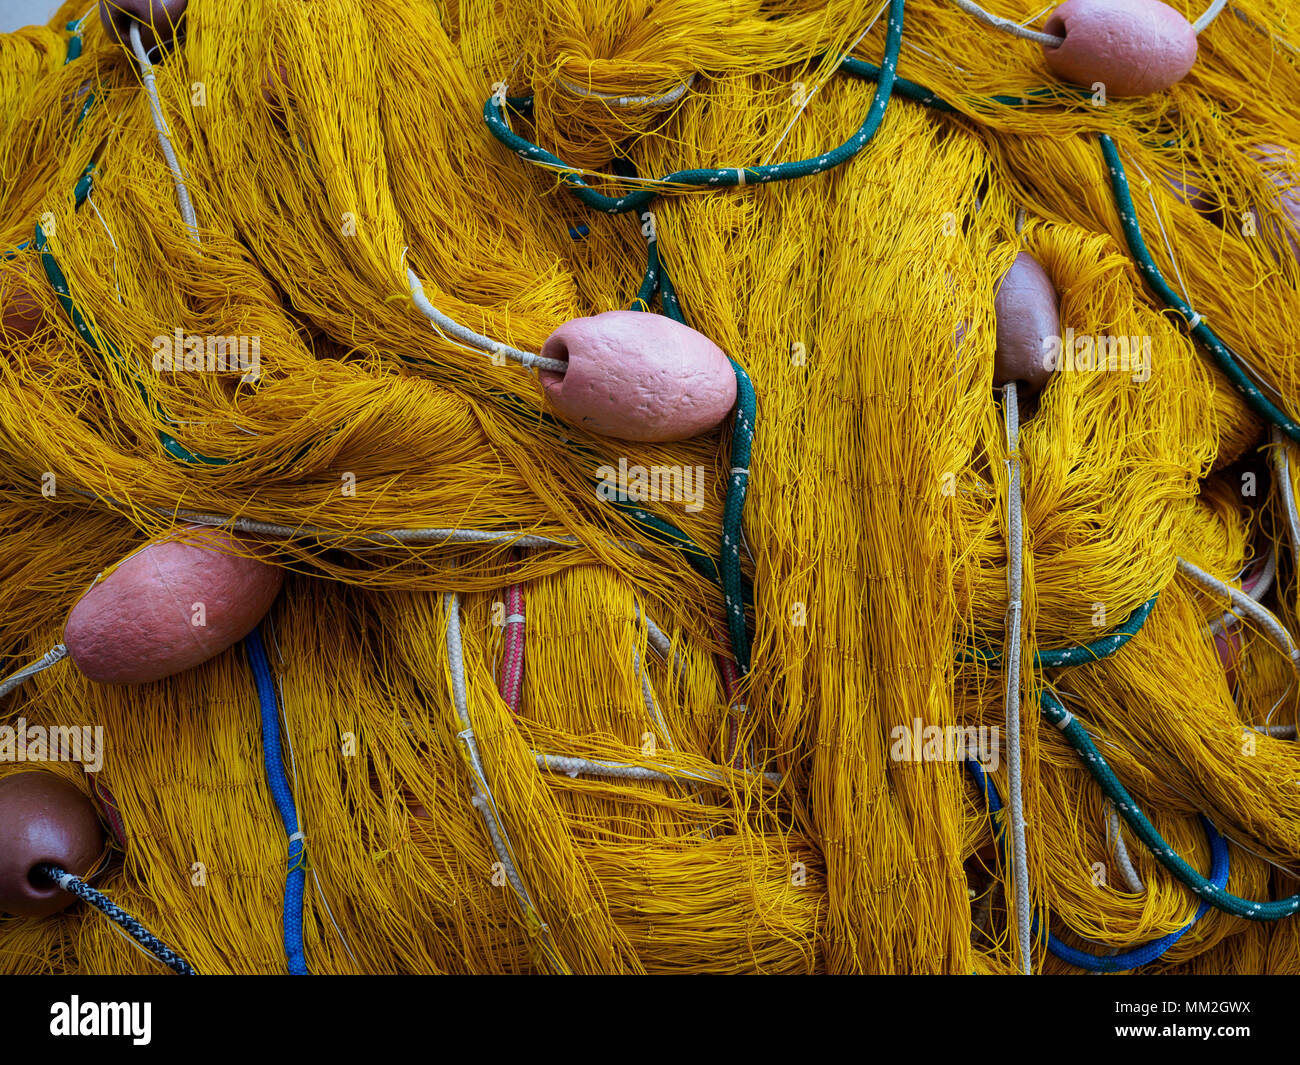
[(937, 59), (482, 800), (1251, 370), (817, 88), (485, 344), (1264, 30), (55, 654), (1011, 660), (614, 100), (1196, 317), (1050, 40), (164, 138), (118, 288)]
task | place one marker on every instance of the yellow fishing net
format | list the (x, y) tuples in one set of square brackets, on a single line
[(639, 807)]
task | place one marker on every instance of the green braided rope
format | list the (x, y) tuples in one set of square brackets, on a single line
[(668, 296), (1255, 399), (1219, 351), (59, 282), (860, 68), (733, 512), (74, 42), (715, 177), (742, 439), (1056, 714), (650, 283), (655, 276), (54, 273), (1103, 647), (657, 528)]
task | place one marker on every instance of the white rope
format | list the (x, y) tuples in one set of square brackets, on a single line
[(1050, 40), (1247, 607), (1011, 658), (394, 537), (557, 763), (164, 138), (55, 654), (1115, 833), (1256, 591), (1211, 13), (485, 344), (482, 800), (1007, 26), (614, 100), (659, 640), (651, 705), (1282, 459)]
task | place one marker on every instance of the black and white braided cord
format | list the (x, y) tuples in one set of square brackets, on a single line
[(119, 917)]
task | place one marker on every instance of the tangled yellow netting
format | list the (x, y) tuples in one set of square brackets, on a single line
[(328, 146)]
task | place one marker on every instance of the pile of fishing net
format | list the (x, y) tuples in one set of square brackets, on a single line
[(535, 698)]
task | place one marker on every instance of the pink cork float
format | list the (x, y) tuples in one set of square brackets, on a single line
[(172, 605), (1028, 319), (1132, 47), (638, 376)]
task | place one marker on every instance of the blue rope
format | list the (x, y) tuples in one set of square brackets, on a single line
[(283, 796), (1129, 959), (155, 946)]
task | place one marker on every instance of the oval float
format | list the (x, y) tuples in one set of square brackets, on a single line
[(634, 375), (1028, 319), (170, 606), (1133, 47)]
